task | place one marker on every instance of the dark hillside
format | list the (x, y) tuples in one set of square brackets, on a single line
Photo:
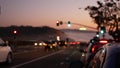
[(29, 33)]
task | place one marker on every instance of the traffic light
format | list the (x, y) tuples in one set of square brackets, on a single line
[(57, 24), (61, 22), (102, 30), (69, 24), (97, 34), (92, 41)]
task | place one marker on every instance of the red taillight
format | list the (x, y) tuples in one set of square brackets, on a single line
[(93, 49), (103, 41)]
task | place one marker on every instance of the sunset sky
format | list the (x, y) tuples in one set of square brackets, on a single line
[(45, 12)]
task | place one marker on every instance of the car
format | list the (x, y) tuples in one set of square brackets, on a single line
[(92, 47), (51, 45), (107, 56), (5, 52), (62, 43)]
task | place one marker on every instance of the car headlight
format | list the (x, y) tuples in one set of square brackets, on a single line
[(35, 44)]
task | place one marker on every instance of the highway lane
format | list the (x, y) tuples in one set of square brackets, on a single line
[(60, 59), (51, 59), (25, 55)]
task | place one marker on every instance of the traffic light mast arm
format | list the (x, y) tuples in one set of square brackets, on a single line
[(83, 25), (69, 23)]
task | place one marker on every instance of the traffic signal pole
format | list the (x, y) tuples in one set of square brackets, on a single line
[(85, 26), (69, 24)]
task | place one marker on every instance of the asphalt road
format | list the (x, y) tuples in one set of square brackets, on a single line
[(41, 59)]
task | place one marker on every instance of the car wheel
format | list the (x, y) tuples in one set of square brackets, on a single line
[(9, 59)]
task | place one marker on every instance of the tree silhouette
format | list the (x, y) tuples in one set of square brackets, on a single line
[(107, 14)]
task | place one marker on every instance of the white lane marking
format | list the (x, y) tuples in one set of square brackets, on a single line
[(19, 65)]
